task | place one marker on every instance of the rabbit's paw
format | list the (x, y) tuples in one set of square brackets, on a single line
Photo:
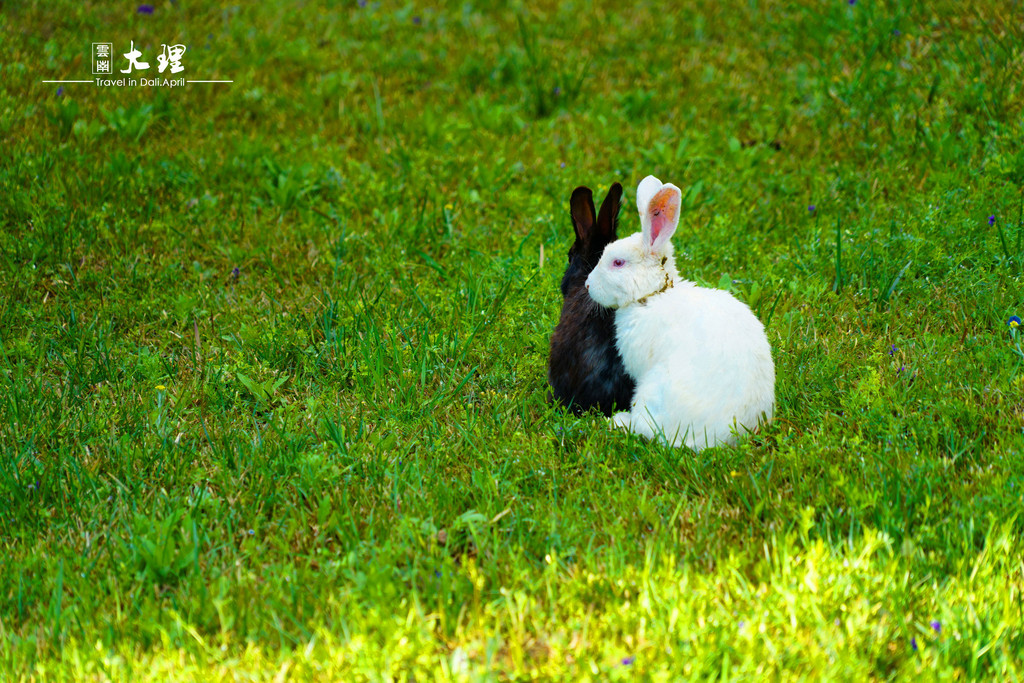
[(622, 420)]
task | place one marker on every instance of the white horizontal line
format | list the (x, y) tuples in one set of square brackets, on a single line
[(91, 81)]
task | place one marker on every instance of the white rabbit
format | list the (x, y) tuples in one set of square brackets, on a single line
[(702, 363)]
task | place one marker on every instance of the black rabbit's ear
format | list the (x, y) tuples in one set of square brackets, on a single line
[(581, 208), (608, 219)]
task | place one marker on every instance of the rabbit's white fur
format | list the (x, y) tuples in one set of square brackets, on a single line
[(702, 363)]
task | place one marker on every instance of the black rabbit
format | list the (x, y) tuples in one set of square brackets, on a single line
[(584, 368)]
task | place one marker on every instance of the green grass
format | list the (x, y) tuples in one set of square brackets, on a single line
[(336, 462)]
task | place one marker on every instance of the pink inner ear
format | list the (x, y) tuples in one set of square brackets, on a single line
[(663, 210)]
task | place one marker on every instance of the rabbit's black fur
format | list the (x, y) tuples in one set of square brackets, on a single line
[(584, 368)]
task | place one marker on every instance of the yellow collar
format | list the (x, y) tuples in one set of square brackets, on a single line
[(665, 287)]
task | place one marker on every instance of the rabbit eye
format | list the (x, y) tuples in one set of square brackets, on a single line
[(618, 263)]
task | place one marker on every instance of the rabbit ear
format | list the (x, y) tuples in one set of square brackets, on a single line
[(608, 219), (581, 208), (645, 192), (659, 211)]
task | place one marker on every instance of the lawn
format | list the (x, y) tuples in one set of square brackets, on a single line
[(273, 352)]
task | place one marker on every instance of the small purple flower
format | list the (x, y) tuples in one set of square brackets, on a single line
[(893, 349), (557, 90), (60, 91), (145, 9), (252, 532), (913, 644), (362, 3), (902, 368), (936, 626), (812, 208), (852, 2), (1013, 322), (234, 272), (417, 20), (991, 221), (562, 165), (896, 32), (626, 661)]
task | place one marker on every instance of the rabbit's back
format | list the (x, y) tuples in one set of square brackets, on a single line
[(585, 369), (701, 359)]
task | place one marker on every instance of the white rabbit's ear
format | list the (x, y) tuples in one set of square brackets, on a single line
[(660, 215), (645, 192)]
